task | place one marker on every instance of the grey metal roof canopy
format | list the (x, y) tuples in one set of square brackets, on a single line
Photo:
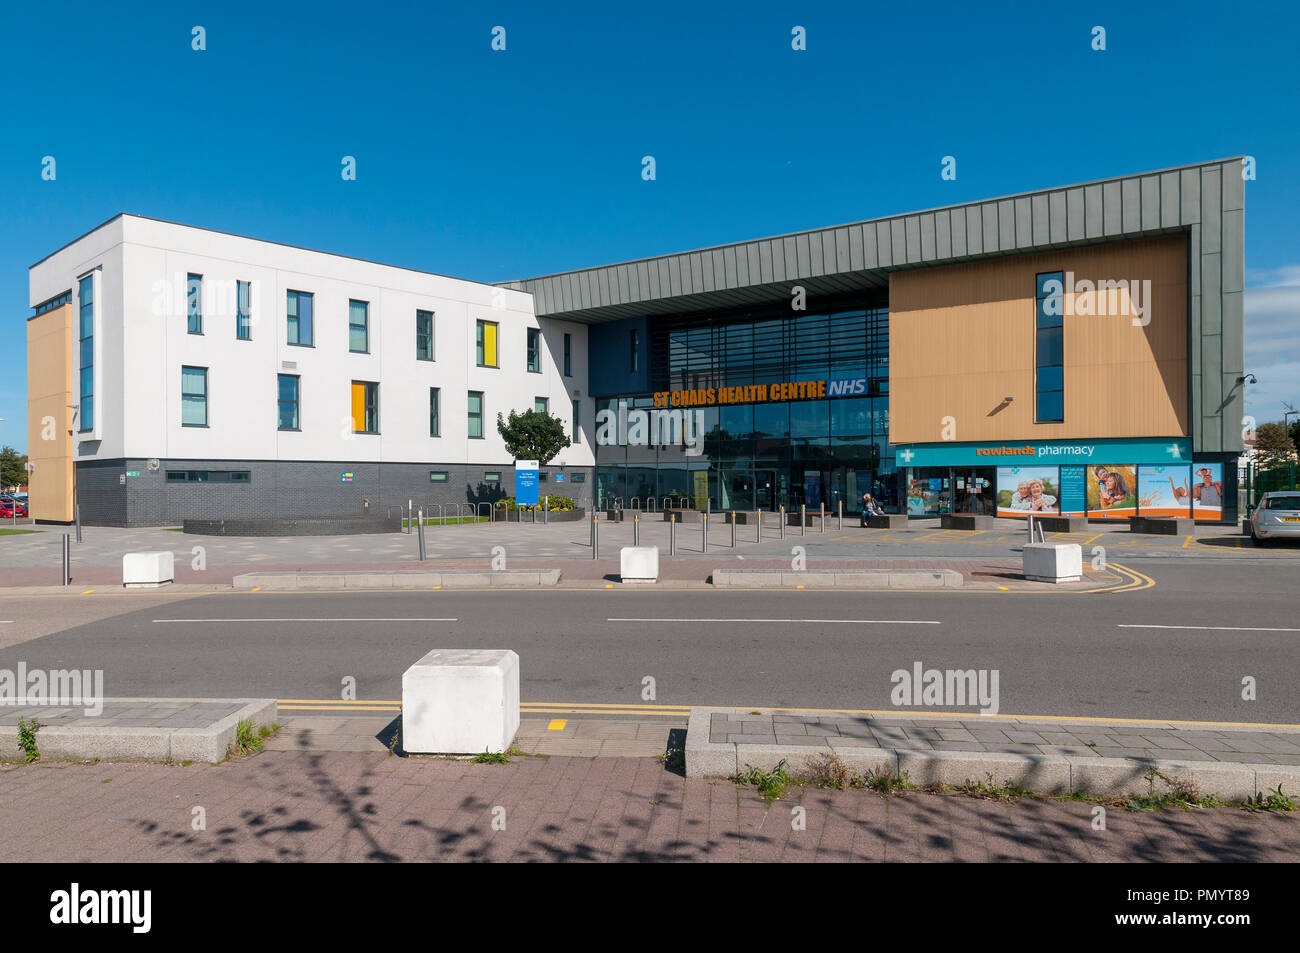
[(1206, 201)]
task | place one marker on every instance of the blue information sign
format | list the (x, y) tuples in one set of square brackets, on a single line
[(526, 482)]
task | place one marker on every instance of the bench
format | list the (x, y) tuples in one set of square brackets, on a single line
[(887, 521), (1062, 524), (1162, 525), (966, 521)]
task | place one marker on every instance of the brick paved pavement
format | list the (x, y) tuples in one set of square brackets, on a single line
[(341, 806), (1012, 736)]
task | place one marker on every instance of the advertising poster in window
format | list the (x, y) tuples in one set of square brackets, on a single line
[(1074, 491), (1112, 491), (1207, 491), (1025, 490), (1165, 490), (927, 497)]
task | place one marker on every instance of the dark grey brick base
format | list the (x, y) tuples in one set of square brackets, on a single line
[(293, 490)]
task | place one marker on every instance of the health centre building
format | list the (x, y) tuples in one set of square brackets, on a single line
[(1072, 350)]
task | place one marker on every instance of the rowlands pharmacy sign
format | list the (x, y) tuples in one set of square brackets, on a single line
[(1158, 450)]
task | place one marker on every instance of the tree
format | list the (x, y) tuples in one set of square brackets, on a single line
[(13, 470), (1273, 445), (1294, 431), (533, 435)]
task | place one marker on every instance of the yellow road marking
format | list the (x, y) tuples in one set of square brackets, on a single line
[(1188, 541), (88, 592), (1094, 539), (605, 708), (256, 589), (557, 724)]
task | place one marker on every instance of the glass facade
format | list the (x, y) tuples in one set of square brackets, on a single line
[(763, 454)]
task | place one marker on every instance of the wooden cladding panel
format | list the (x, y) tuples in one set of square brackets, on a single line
[(961, 338)]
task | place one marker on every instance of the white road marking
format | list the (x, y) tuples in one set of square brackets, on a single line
[(308, 620), (827, 621), (1209, 628)]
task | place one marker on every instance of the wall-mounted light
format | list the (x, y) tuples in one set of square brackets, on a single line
[(1007, 400), (1247, 379)]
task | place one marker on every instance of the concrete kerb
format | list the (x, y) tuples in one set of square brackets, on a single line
[(88, 742), (1041, 774), (396, 580), (837, 579)]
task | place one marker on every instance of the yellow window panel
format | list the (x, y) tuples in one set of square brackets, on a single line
[(358, 406), (490, 345)]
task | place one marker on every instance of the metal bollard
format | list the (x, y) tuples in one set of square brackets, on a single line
[(704, 532), (409, 513), (783, 522), (840, 524), (77, 512), (67, 559), (803, 519), (595, 537), (758, 530), (672, 535), (546, 513), (733, 530), (419, 534), (821, 511), (636, 530)]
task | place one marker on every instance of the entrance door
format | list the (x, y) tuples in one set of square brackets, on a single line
[(975, 491), (765, 492)]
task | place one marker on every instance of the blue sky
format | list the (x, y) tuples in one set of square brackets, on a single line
[(492, 165)]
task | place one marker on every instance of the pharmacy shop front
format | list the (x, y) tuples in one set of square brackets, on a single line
[(1102, 479)]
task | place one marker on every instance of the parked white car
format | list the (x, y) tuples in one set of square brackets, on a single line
[(1276, 517)]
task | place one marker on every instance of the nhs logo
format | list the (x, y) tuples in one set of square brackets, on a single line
[(849, 387)]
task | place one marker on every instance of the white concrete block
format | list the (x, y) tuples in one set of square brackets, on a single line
[(461, 701), (639, 563), (1053, 562), (141, 570)]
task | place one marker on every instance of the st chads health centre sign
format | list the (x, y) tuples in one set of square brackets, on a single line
[(526, 482)]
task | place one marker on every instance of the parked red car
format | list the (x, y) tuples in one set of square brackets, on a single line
[(7, 506)]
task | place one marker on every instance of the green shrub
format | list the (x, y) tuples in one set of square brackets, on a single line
[(553, 504)]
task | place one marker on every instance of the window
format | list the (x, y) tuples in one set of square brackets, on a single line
[(487, 344), (359, 327), (437, 476), (577, 478), (65, 298), (287, 398), (86, 292), (209, 476), (577, 427), (476, 413), (492, 476), (194, 396), (243, 303), (299, 314), (568, 355), (194, 304), (424, 335), (534, 351), (636, 349), (542, 405), (435, 426), (365, 407), (1049, 340)]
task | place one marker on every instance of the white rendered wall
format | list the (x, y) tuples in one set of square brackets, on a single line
[(145, 342)]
